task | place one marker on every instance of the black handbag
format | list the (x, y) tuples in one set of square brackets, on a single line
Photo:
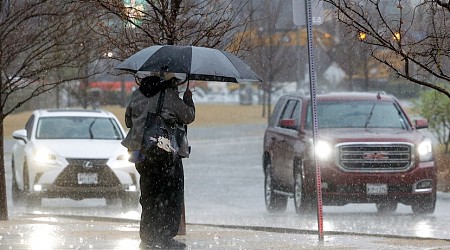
[(158, 142)]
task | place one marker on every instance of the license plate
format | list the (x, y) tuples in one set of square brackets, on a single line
[(87, 178), (376, 189)]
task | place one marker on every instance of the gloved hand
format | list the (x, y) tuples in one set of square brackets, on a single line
[(187, 94), (187, 97)]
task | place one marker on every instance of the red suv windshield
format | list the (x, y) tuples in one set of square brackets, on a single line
[(358, 114)]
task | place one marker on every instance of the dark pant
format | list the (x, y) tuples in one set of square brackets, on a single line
[(162, 199)]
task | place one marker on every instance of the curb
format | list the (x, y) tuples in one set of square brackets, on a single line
[(252, 228)]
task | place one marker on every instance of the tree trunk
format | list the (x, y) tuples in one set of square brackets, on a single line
[(446, 144), (3, 201), (366, 75)]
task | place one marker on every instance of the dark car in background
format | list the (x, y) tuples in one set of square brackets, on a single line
[(368, 149)]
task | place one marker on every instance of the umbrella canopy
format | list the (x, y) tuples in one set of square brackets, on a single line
[(199, 63)]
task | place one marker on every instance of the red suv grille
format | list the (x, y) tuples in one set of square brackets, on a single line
[(374, 157)]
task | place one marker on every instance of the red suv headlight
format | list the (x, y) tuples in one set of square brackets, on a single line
[(323, 150), (425, 150)]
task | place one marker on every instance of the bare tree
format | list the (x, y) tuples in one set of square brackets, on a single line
[(350, 54), (273, 42), (409, 37), (43, 43), (139, 24)]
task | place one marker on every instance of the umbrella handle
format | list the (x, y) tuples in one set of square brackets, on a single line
[(161, 74), (188, 80)]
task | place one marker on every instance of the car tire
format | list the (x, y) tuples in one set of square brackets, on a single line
[(424, 205), (274, 202), (17, 195), (302, 201), (386, 207), (31, 200)]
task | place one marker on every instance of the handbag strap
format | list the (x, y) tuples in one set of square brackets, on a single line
[(160, 101)]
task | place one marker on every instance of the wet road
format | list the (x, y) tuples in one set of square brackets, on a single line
[(224, 186)]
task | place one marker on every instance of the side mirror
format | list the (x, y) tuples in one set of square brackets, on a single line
[(288, 123), (420, 123), (20, 134)]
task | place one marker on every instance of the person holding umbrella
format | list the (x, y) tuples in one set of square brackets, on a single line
[(162, 183), (199, 64)]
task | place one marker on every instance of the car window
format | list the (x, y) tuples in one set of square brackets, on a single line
[(291, 111), (78, 128), (358, 114), (276, 112), (29, 126), (296, 113)]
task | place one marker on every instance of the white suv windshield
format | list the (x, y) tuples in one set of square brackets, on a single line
[(78, 128), (358, 114)]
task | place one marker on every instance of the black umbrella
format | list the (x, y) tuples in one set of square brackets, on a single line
[(199, 63)]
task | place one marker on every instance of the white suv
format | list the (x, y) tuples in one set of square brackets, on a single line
[(73, 154)]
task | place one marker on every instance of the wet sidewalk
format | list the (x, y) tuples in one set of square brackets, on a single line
[(33, 231)]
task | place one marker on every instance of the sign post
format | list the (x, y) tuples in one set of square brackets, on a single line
[(311, 9), (299, 11)]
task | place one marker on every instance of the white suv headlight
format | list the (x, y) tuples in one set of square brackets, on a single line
[(425, 150), (323, 150), (43, 155)]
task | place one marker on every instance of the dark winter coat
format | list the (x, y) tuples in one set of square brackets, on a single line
[(144, 100)]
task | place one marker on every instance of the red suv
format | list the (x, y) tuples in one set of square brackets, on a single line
[(368, 149)]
